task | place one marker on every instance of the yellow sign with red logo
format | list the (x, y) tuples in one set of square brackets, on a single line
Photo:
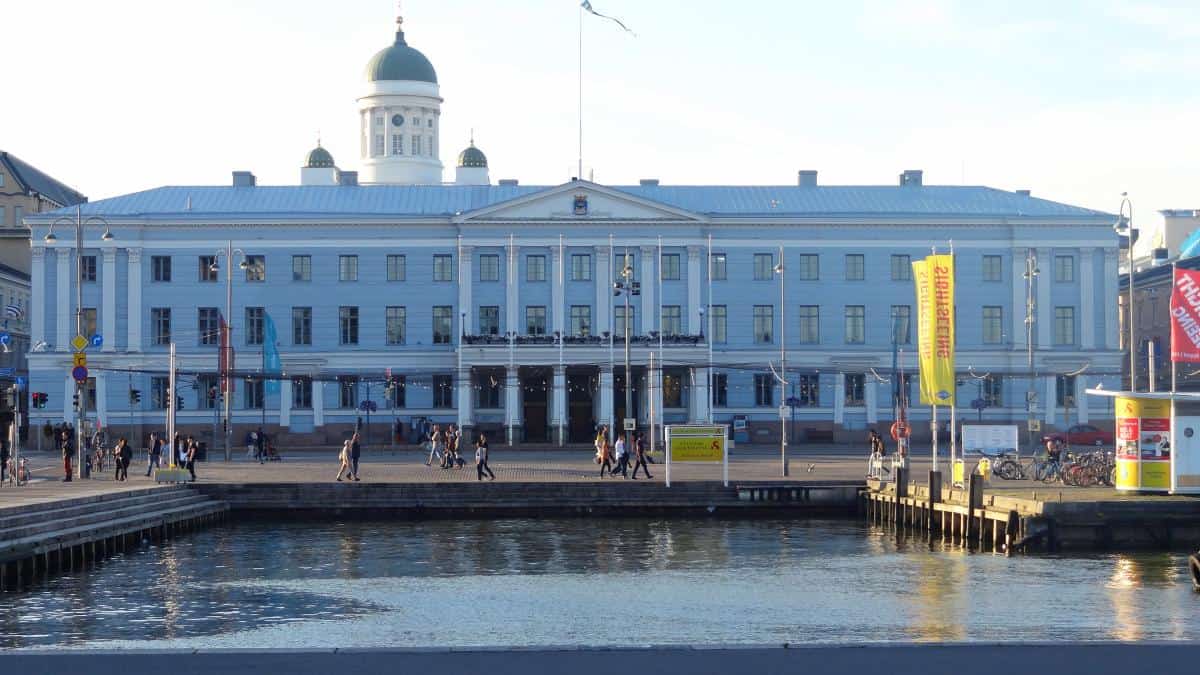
[(1143, 450), (699, 443)]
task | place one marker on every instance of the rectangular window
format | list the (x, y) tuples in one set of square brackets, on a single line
[(256, 268), (443, 325), (89, 321), (856, 267), (581, 320), (720, 390), (672, 320), (670, 266), (764, 266), (396, 268), (855, 386), (253, 394), (535, 268), (993, 325), (992, 270), (396, 319), (347, 268), (901, 324), (535, 320), (348, 325), (581, 267), (416, 145), (88, 262), (302, 268), (1064, 325), (160, 325), (901, 267), (397, 144), (619, 321), (764, 324), (1064, 268), (209, 272), (302, 326), (810, 267), (254, 325), (443, 268), (856, 324), (489, 267), (717, 267), (160, 267), (378, 145), (158, 392), (487, 390), (810, 324), (399, 394), (720, 324), (443, 391), (348, 392), (208, 388), (672, 385), (302, 394), (489, 320), (208, 325), (1064, 391), (808, 389), (764, 390)]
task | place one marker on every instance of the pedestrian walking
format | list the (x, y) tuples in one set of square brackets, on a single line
[(155, 453), (604, 454), (189, 457), (435, 445), (481, 459), (251, 443), (639, 454), (68, 452), (122, 456), (260, 448), (344, 461), (355, 451), (622, 466)]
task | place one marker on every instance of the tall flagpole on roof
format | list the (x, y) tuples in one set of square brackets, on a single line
[(579, 174)]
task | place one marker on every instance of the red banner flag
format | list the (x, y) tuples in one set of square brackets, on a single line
[(1185, 316)]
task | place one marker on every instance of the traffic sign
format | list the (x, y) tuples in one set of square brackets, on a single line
[(79, 343), (5, 338), (630, 424), (79, 373), (20, 382), (979, 404), (97, 340), (80, 359)]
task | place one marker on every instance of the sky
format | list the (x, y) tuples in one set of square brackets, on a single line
[(1078, 101)]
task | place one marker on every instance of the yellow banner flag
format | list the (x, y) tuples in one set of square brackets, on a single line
[(934, 281)]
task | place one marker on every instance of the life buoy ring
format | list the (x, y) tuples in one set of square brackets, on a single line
[(900, 430), (1194, 564)]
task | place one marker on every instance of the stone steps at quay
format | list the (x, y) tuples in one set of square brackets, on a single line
[(114, 511), (16, 516)]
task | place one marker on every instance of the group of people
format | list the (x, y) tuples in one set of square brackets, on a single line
[(444, 446), (181, 451), (260, 447), (607, 453)]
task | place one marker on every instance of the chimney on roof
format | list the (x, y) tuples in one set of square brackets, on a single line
[(911, 178), (1023, 193), (347, 178), (807, 178), (510, 181), (243, 179), (649, 182)]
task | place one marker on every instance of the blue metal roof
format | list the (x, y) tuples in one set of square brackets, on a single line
[(293, 202)]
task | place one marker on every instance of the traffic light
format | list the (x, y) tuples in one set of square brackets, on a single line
[(135, 396), (178, 401), (75, 401), (635, 288)]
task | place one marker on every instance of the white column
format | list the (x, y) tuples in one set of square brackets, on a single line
[(1108, 291), (1016, 332), (108, 293), (101, 398), (655, 393), (318, 403), (466, 280), (871, 398), (466, 399), (1087, 299), (701, 398), (512, 404), (134, 323), (1045, 312), (1081, 399), (604, 290), (1049, 403), (693, 281), (511, 295), (62, 310), (649, 283), (839, 399), (285, 403), (606, 398), (558, 415), (556, 292), (37, 299)]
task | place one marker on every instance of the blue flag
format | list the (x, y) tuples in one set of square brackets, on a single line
[(272, 364)]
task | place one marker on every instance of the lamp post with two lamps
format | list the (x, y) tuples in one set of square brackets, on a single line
[(783, 394), (1124, 229), (227, 344), (80, 384)]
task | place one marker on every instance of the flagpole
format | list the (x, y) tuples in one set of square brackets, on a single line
[(1174, 367), (579, 175)]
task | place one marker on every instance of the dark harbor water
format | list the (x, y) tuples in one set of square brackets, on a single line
[(591, 582)]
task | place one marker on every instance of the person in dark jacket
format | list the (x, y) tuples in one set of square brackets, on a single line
[(639, 454), (68, 453), (355, 452), (155, 453)]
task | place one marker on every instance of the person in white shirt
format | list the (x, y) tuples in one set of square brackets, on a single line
[(622, 458)]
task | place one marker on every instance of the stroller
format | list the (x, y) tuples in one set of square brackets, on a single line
[(271, 454)]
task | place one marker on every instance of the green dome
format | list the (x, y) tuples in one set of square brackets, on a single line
[(400, 62), (472, 156), (318, 157)]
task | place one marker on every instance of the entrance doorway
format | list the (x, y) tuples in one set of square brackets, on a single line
[(581, 392), (535, 397)]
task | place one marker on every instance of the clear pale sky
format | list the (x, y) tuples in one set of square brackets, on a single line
[(1076, 100)]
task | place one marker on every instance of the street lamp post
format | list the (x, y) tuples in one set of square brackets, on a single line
[(783, 459), (1031, 273), (227, 381), (1124, 228), (80, 385)]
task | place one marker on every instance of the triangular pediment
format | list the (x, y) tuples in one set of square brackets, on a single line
[(579, 200)]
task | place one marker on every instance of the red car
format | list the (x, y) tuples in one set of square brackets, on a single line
[(1082, 434)]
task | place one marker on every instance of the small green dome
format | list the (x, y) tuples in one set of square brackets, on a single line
[(318, 157), (472, 156), (400, 62)]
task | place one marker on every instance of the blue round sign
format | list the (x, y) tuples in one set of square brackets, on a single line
[(79, 373), (97, 340)]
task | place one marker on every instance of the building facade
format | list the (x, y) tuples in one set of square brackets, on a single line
[(493, 306)]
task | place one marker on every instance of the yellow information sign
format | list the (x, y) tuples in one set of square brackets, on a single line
[(1143, 444), (80, 359), (697, 444)]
